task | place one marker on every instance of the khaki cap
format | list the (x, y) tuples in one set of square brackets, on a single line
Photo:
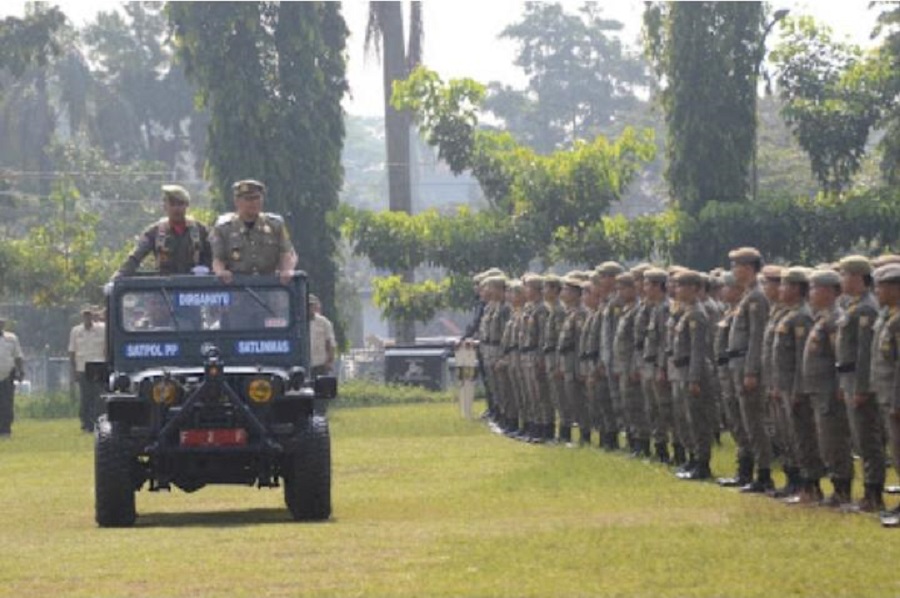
[(772, 272), (496, 281), (533, 280), (887, 258), (689, 277), (640, 269), (745, 255), (610, 269), (176, 193), (573, 282), (656, 275), (795, 275), (825, 278), (248, 187), (552, 280), (889, 273), (855, 264), (625, 279)]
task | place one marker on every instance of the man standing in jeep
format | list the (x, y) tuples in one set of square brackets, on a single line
[(178, 242), (250, 241)]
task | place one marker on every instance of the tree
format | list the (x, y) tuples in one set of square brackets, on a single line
[(384, 32), (580, 77), (705, 55), (29, 41), (272, 77)]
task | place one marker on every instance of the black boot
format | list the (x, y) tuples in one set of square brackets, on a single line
[(791, 486), (762, 484), (678, 457), (585, 439), (743, 476), (686, 469), (872, 502), (662, 452), (840, 496), (565, 434), (512, 426)]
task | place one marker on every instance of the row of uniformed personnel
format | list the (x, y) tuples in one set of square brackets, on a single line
[(802, 362)]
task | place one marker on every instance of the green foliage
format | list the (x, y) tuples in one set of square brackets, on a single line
[(580, 78), (832, 98), (51, 405), (409, 302), (31, 40), (706, 56), (357, 393), (272, 77)]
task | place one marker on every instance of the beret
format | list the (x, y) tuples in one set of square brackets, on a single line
[(855, 264)]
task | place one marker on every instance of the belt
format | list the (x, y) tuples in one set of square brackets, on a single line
[(722, 360), (566, 351), (651, 359), (845, 368), (736, 353), (551, 350), (681, 362), (668, 352), (528, 350)]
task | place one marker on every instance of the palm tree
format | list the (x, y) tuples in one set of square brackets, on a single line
[(384, 34)]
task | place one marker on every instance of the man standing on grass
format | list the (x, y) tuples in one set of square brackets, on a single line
[(12, 368), (321, 340), (87, 344)]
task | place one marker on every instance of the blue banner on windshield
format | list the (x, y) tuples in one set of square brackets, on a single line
[(263, 347), (151, 350)]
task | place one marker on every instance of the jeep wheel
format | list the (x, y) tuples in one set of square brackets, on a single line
[(307, 473), (113, 483)]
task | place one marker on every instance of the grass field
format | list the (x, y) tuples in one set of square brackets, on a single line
[(428, 505)]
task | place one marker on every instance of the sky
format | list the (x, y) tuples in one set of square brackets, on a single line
[(461, 36)]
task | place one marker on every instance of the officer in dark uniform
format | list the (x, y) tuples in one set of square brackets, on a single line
[(179, 243), (250, 241)]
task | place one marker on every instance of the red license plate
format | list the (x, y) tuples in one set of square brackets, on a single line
[(214, 437)]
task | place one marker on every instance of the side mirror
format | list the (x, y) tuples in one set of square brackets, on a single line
[(325, 387)]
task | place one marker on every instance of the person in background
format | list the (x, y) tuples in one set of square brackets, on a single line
[(87, 343), (322, 342), (12, 368)]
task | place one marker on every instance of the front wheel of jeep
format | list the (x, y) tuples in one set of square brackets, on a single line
[(307, 472), (113, 482)]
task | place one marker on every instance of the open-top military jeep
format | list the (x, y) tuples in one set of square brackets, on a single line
[(209, 384)]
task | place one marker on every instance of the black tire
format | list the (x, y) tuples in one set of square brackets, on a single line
[(113, 480), (307, 473)]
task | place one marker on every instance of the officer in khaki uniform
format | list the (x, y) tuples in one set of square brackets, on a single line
[(538, 422), (885, 372), (556, 315), (668, 377), (745, 343), (820, 380), (609, 320), (493, 324), (588, 355), (250, 241), (658, 401), (509, 363), (690, 358), (567, 349), (625, 369), (788, 347), (179, 243), (854, 361)]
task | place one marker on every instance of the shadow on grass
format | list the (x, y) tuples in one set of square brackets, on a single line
[(232, 518)]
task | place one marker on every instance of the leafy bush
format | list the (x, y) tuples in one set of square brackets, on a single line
[(51, 405), (358, 393)]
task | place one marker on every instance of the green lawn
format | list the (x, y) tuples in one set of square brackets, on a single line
[(429, 505)]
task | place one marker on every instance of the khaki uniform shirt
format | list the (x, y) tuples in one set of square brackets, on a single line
[(88, 345), (569, 334), (10, 350), (819, 374), (320, 332), (788, 346), (253, 249), (854, 344), (609, 324), (776, 311), (623, 342), (885, 373), (175, 253), (588, 345), (556, 315), (689, 348), (745, 339)]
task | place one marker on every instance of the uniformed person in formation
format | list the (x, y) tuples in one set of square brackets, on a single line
[(885, 374), (179, 243), (658, 397), (556, 315), (568, 368), (250, 241), (625, 369)]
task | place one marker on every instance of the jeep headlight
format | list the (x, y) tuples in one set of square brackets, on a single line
[(164, 391), (260, 390)]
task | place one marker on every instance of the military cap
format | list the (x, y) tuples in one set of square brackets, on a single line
[(87, 309), (626, 279), (656, 275), (515, 286), (489, 272), (573, 281), (888, 273), (825, 278), (855, 264), (248, 187), (716, 271), (314, 299), (887, 258), (689, 277), (497, 280), (610, 269), (640, 269), (795, 275), (675, 269), (772, 272), (745, 255), (176, 193), (580, 275), (552, 280)]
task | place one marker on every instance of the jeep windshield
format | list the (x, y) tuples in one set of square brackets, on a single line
[(223, 309)]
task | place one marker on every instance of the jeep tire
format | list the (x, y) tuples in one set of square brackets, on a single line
[(307, 472), (113, 481)]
